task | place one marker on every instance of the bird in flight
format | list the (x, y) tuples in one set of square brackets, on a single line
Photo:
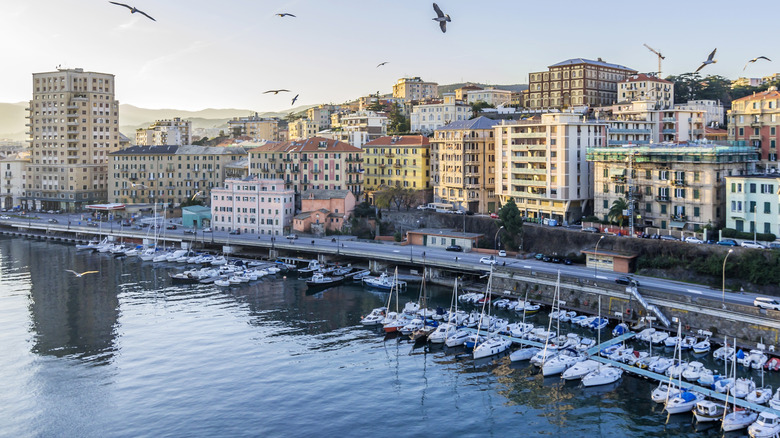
[(285, 14), (441, 17), (82, 273), (294, 99), (133, 10), (275, 91), (381, 64), (708, 61), (754, 60), (198, 193)]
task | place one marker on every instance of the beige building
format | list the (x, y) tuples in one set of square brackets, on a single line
[(74, 126), (647, 88), (415, 89), (640, 122), (165, 132), (463, 170), (491, 96), (321, 115), (259, 128), (755, 120), (168, 174), (13, 168), (301, 128), (361, 127), (462, 92), (541, 164), (674, 186), (576, 82)]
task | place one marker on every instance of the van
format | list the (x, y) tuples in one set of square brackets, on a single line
[(766, 303)]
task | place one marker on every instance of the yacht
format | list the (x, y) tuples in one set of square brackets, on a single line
[(767, 425), (580, 369), (663, 392), (707, 411), (602, 375), (737, 420), (685, 401), (564, 360), (524, 354), (375, 317), (383, 282)]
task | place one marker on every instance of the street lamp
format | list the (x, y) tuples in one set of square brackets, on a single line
[(495, 238), (723, 283), (596, 260)]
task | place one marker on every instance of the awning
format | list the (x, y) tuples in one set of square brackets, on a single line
[(104, 207), (677, 224)]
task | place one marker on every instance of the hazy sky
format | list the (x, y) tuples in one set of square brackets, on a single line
[(224, 54)]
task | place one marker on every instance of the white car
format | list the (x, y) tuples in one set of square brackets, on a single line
[(692, 239), (752, 244), (5, 217), (488, 261), (766, 303), (502, 253)]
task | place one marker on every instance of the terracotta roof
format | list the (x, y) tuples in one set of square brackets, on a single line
[(308, 145), (324, 194), (403, 140), (645, 77), (769, 94)]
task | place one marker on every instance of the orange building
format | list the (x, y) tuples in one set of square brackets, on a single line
[(324, 210)]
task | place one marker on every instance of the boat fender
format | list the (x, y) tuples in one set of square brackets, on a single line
[(687, 327)]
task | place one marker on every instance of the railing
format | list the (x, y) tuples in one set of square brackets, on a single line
[(678, 182), (619, 178), (663, 199)]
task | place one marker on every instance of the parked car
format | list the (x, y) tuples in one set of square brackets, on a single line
[(292, 236), (590, 230), (171, 227), (726, 242), (493, 215), (5, 217), (488, 261), (692, 239), (234, 232), (556, 260), (567, 261), (539, 256), (669, 237), (456, 248), (752, 244), (626, 280), (53, 221), (502, 253), (547, 259), (190, 231), (773, 245), (766, 303), (207, 230)]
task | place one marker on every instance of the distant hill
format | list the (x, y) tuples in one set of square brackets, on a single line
[(450, 88)]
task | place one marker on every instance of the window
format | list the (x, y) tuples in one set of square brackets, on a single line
[(767, 207), (752, 188), (663, 208), (696, 211), (696, 194), (606, 203)]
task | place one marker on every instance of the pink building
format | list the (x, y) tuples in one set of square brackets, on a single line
[(324, 210), (254, 206)]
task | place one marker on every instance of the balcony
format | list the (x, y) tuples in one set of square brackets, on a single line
[(528, 135), (629, 131), (272, 159), (678, 182), (389, 155), (619, 178), (287, 160), (668, 131), (73, 140), (678, 217), (397, 165), (316, 171), (663, 199), (668, 120)]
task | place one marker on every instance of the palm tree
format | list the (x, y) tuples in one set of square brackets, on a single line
[(616, 211)]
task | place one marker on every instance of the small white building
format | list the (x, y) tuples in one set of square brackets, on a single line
[(713, 110), (13, 170), (428, 117), (253, 206), (491, 96), (360, 127)]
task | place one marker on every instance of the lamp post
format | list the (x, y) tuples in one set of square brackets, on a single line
[(723, 283), (596, 259), (495, 238)]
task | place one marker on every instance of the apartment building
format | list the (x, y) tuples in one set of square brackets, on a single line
[(646, 87), (576, 81), (542, 165), (463, 165), (491, 96), (259, 128), (462, 92), (755, 121), (427, 117), (253, 206), (361, 127), (674, 185), (313, 163), (641, 122), (415, 89), (165, 132), (301, 128), (169, 175), (13, 168), (321, 115), (397, 161), (73, 127), (713, 110), (751, 203)]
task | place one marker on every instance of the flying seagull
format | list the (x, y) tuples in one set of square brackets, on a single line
[(441, 17), (382, 63), (275, 91), (754, 60), (294, 99), (285, 14), (198, 193), (708, 61), (81, 274), (133, 10)]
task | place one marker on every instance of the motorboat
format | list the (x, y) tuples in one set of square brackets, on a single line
[(564, 360), (645, 362), (393, 326), (620, 329), (222, 282), (723, 385), (723, 352), (543, 356), (492, 346), (609, 350), (707, 411), (319, 280), (580, 369), (598, 323), (578, 319), (585, 344), (688, 342), (760, 396), (743, 387), (767, 425), (672, 341), (707, 378), (693, 371), (567, 316), (738, 419), (587, 321), (645, 334), (634, 358), (659, 337), (661, 365), (311, 268), (774, 402), (219, 261), (422, 333), (524, 354), (602, 375), (473, 340), (685, 401), (456, 338), (527, 307), (663, 392), (441, 333), (701, 346), (756, 359), (675, 371), (414, 324), (773, 364), (383, 282), (375, 317)]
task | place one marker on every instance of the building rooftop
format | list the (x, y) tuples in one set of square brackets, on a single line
[(313, 144), (600, 62), (480, 122), (645, 77), (401, 140), (324, 194), (771, 93)]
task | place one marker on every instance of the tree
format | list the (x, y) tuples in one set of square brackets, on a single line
[(512, 220), (616, 211), (398, 123), (383, 198), (477, 107)]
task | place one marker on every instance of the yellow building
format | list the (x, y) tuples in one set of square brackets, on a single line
[(415, 89), (755, 120), (259, 128), (463, 165), (401, 161), (301, 129)]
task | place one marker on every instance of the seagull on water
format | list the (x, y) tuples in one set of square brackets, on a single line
[(77, 274), (382, 63), (441, 17), (275, 91), (284, 14), (754, 60), (708, 61), (133, 10), (294, 99)]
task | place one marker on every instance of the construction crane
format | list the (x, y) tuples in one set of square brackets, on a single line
[(660, 57)]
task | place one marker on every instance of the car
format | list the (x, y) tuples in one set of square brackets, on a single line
[(773, 245), (692, 239), (669, 237), (422, 207), (92, 224), (627, 279), (53, 221), (292, 236), (726, 242), (5, 217), (556, 260), (766, 303), (493, 215), (171, 227), (547, 259), (50, 212), (567, 261), (502, 253), (590, 230), (234, 232), (752, 244), (190, 231), (456, 248), (539, 256), (488, 261), (207, 230)]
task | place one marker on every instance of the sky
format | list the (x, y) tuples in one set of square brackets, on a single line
[(224, 54)]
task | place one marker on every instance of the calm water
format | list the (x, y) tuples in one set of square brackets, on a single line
[(126, 353)]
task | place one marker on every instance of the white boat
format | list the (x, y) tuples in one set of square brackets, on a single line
[(580, 369), (542, 356), (219, 261), (456, 338), (707, 378), (585, 344), (494, 343), (645, 334), (587, 321), (685, 401), (222, 282), (707, 411), (375, 317), (737, 420), (661, 365), (774, 402), (603, 375), (675, 371), (693, 371), (688, 342), (723, 385), (415, 324), (524, 354), (659, 337), (767, 425), (564, 360), (760, 396), (441, 333), (383, 282), (672, 341), (723, 352), (578, 319), (147, 254), (702, 346), (663, 392), (743, 387)]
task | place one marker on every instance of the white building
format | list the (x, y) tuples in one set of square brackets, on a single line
[(646, 87), (491, 96), (173, 132), (426, 118), (13, 169), (253, 206), (713, 110), (640, 123), (361, 127), (751, 203)]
